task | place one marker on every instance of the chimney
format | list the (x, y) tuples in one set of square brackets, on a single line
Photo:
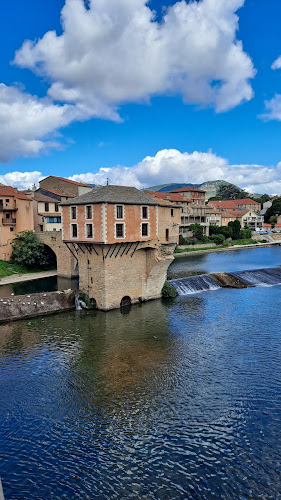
[(168, 196)]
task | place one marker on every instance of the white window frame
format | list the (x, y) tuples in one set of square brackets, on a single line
[(123, 209), (124, 230), (89, 224), (92, 208), (148, 229), (71, 232), (71, 207), (145, 206)]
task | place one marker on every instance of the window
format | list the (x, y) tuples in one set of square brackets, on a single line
[(119, 230), (41, 228), (144, 229), (172, 212), (89, 230), (144, 211), (74, 230), (53, 220), (56, 207), (8, 215), (11, 229), (119, 212), (89, 212), (167, 234), (46, 207), (73, 213)]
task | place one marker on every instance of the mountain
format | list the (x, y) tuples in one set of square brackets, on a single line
[(210, 187)]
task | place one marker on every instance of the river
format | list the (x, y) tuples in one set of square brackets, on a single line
[(172, 399)]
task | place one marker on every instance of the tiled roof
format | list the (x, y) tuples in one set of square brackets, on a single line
[(58, 192), (163, 196), (187, 188), (246, 201), (235, 213), (113, 194), (10, 191), (223, 204), (67, 180), (43, 197)]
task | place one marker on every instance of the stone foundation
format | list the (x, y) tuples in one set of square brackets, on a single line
[(36, 304), (108, 273)]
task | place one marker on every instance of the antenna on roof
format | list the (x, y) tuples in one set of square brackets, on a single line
[(107, 181)]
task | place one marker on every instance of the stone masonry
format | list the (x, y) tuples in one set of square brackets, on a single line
[(66, 262), (108, 273)]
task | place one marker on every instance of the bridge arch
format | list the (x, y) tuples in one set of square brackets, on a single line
[(66, 263)]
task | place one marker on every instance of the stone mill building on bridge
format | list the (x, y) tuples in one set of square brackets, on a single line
[(122, 241)]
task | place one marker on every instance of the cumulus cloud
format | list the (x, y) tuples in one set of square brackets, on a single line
[(27, 123), (276, 64), (273, 106), (21, 180), (170, 165), (115, 52), (167, 166)]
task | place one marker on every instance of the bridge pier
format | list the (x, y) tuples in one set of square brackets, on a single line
[(109, 273)]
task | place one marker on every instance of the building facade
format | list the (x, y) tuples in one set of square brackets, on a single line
[(123, 241), (16, 217)]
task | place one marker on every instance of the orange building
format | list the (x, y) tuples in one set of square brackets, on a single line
[(16, 217), (116, 214)]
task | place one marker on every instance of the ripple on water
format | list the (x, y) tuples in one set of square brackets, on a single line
[(175, 400)]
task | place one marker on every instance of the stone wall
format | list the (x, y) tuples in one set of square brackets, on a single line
[(203, 245), (66, 262), (36, 304), (110, 272)]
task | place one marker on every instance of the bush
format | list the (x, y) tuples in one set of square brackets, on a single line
[(246, 233), (168, 291), (31, 253), (197, 231), (218, 239), (182, 240)]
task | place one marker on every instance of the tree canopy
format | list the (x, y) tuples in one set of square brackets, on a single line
[(275, 209), (231, 192), (31, 253)]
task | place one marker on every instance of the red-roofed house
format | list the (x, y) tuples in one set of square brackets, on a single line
[(194, 211), (16, 216), (65, 186)]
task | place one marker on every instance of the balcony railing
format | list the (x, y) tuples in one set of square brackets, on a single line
[(9, 222)]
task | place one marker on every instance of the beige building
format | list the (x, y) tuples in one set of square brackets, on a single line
[(64, 187), (16, 217)]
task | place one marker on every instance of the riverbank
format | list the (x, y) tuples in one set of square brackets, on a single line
[(226, 249), (18, 278)]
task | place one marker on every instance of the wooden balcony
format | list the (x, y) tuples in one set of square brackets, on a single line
[(9, 222)]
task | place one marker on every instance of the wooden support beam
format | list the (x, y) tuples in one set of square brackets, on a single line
[(108, 252), (135, 248), (71, 251), (126, 244), (94, 250), (130, 246), (81, 248), (118, 250), (113, 250)]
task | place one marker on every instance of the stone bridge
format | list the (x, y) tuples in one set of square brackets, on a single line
[(66, 261)]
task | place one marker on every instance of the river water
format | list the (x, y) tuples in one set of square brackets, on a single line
[(172, 399)]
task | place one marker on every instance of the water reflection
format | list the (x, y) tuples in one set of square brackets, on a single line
[(51, 284), (177, 399)]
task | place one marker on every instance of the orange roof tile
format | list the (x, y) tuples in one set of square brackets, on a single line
[(68, 180), (163, 196), (246, 201), (187, 188), (10, 191)]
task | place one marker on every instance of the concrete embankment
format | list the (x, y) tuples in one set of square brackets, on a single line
[(26, 306), (18, 278), (226, 249), (228, 280)]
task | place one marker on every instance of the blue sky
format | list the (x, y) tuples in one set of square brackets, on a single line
[(161, 125)]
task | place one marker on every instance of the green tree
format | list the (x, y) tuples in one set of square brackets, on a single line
[(275, 209), (235, 228), (262, 199), (197, 231), (218, 239), (273, 220), (215, 198), (31, 253), (231, 192)]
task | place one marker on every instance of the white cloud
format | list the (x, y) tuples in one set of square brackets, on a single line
[(276, 64), (27, 123), (114, 52), (170, 165), (21, 180)]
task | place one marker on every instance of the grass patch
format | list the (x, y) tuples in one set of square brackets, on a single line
[(8, 269), (186, 250), (247, 241)]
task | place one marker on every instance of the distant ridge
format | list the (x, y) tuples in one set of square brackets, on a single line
[(210, 187)]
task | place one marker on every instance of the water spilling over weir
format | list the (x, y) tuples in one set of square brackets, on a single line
[(239, 279), (194, 284), (260, 277)]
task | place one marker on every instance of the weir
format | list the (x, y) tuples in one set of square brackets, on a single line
[(195, 284), (260, 277)]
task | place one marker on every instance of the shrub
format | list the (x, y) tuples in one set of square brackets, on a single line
[(182, 240), (218, 239), (31, 253), (168, 291), (246, 233)]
